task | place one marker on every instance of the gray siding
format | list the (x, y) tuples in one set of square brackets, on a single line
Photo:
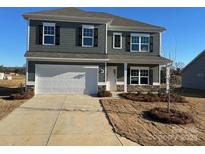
[(194, 75), (31, 68), (68, 38), (156, 44)]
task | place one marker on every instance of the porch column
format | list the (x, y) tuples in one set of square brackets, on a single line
[(106, 87), (125, 77), (167, 78)]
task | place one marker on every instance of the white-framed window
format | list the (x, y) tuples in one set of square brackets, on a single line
[(117, 40), (139, 76), (88, 36), (139, 42), (48, 33)]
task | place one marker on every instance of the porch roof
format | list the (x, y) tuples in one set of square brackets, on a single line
[(138, 59), (110, 58)]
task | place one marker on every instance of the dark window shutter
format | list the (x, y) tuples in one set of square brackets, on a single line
[(95, 37), (79, 36), (39, 34), (128, 42), (151, 44), (150, 76), (57, 31)]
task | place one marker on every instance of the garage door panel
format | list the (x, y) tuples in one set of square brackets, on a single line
[(57, 79)]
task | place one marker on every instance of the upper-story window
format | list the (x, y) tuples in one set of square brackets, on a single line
[(139, 42), (88, 36), (117, 40), (49, 33)]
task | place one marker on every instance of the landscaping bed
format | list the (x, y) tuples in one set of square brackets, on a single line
[(150, 97), (171, 117), (20, 96), (130, 119)]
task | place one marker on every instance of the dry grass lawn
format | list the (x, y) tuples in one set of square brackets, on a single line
[(7, 106), (15, 82), (129, 119), (8, 87)]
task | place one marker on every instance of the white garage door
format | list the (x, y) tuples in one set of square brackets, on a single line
[(65, 79)]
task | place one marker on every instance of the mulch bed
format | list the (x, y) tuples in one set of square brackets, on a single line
[(172, 117), (129, 120), (153, 97), (20, 96)]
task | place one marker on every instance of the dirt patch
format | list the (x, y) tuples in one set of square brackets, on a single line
[(15, 82), (128, 119)]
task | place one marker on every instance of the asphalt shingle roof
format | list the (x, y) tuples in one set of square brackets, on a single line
[(112, 58), (115, 20)]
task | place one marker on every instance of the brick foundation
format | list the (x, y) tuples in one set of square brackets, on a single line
[(102, 88), (29, 88)]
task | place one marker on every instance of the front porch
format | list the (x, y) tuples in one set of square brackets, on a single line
[(130, 77)]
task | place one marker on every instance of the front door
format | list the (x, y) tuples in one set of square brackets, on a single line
[(112, 77)]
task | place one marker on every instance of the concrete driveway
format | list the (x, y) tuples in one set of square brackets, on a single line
[(59, 120)]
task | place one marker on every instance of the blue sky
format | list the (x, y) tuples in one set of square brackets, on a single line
[(183, 40)]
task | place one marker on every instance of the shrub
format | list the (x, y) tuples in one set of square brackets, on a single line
[(173, 117), (18, 96), (104, 94)]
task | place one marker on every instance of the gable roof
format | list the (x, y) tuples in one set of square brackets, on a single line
[(75, 12), (194, 60)]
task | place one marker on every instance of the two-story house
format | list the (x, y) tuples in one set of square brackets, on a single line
[(74, 51)]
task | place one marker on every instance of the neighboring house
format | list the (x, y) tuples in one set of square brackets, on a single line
[(2, 75), (193, 75), (75, 51)]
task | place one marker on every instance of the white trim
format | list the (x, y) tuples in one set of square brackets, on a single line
[(140, 43), (26, 72), (125, 77), (120, 82), (101, 83), (156, 84), (113, 40), (30, 83), (136, 67), (139, 76), (106, 25), (92, 37), (106, 76), (67, 59), (159, 74), (65, 66), (88, 26), (28, 35), (48, 24)]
